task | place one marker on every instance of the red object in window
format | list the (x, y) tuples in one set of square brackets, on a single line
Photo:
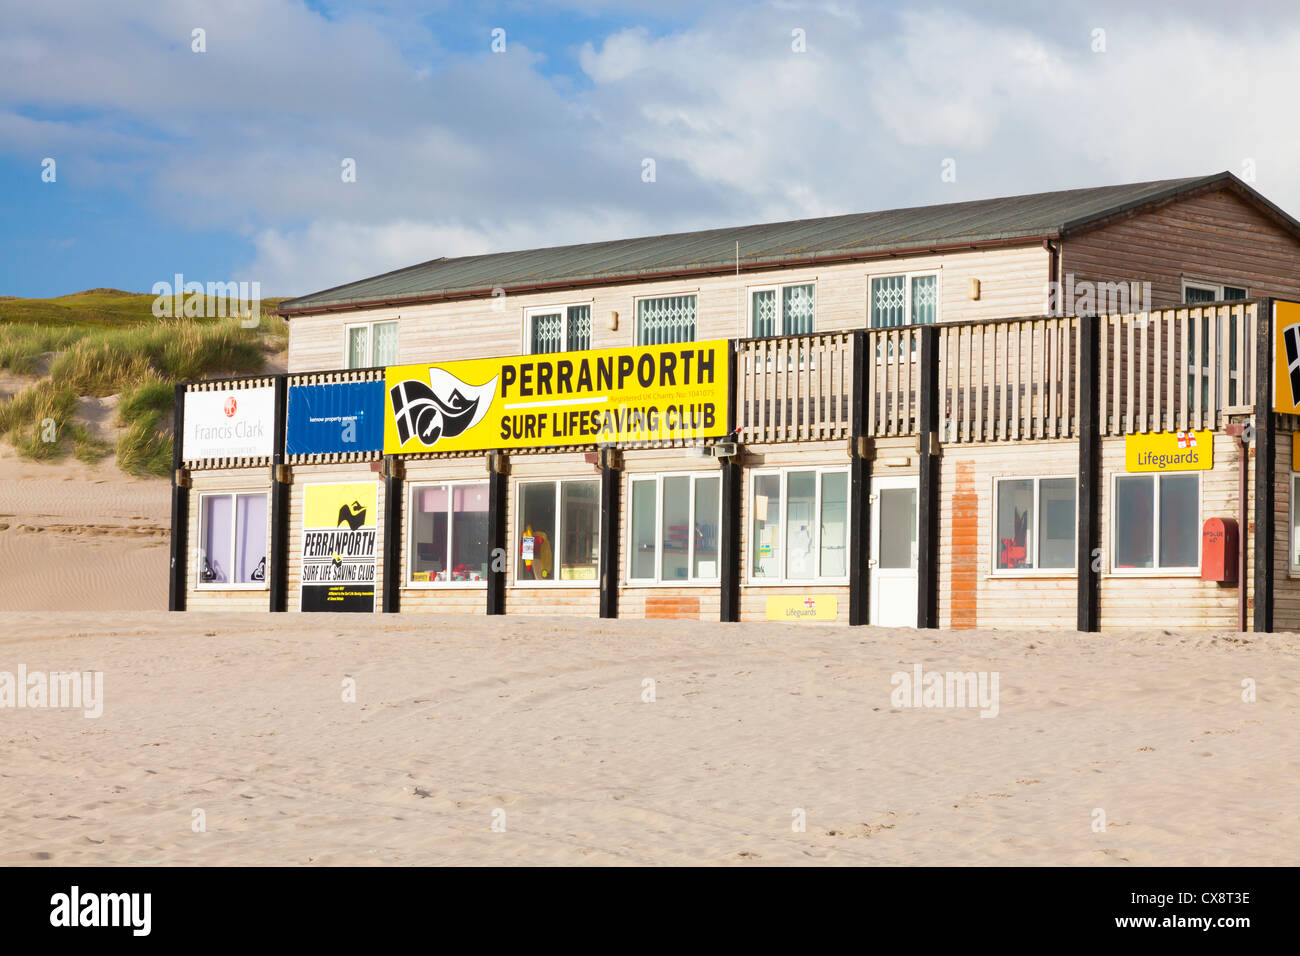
[(1013, 555)]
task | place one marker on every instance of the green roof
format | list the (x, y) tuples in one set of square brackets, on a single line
[(831, 238)]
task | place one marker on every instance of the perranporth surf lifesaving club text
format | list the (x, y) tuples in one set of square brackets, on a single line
[(545, 379), (339, 557)]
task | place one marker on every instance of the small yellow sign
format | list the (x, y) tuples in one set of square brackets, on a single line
[(1286, 358), (1169, 451), (806, 607), (1295, 453)]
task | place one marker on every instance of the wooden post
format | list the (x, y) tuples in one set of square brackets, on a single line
[(1264, 469), (176, 589), (611, 474), (729, 529), (278, 563), (393, 492), (927, 530), (498, 491), (1089, 516), (859, 486)]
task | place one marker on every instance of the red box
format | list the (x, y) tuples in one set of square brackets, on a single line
[(1219, 542)]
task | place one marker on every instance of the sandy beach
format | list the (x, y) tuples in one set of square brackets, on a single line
[(541, 726)]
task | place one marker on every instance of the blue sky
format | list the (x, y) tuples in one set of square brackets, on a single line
[(226, 164)]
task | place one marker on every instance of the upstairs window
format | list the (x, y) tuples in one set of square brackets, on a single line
[(782, 310), (1195, 292), (908, 299), (565, 328), (372, 344), (665, 320)]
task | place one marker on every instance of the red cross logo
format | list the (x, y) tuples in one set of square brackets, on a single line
[(230, 406), (810, 604), (1186, 440)]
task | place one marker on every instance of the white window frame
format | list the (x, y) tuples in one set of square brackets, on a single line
[(1291, 536), (411, 543), (1158, 570), (657, 580), (818, 580), (233, 494), (776, 287), (1215, 287), (370, 339), (1035, 571), (907, 296), (516, 535), (562, 308), (636, 311)]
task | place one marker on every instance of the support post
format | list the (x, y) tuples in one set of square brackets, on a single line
[(1089, 517), (729, 526), (393, 499), (176, 590), (277, 565), (498, 490), (611, 474), (927, 531), (1265, 466), (859, 487)]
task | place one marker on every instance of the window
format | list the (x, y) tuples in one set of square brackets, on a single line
[(448, 535), (904, 300), (782, 310), (558, 532), (232, 541), (564, 328), (1034, 524), (1196, 292), (1156, 522), (1295, 521), (799, 526), (673, 526), (1200, 292), (372, 344), (665, 320)]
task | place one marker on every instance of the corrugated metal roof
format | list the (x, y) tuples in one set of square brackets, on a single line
[(860, 235)]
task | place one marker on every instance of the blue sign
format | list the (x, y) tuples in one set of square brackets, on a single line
[(332, 419)]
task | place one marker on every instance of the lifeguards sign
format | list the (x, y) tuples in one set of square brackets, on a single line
[(1286, 358), (1169, 451), (652, 393)]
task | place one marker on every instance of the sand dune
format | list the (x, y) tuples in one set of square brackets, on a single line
[(241, 716), (76, 536)]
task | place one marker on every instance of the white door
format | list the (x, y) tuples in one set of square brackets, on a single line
[(893, 552)]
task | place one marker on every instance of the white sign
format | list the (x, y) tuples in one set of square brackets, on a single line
[(239, 423)]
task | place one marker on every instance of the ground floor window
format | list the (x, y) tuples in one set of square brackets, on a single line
[(448, 534), (673, 528), (1034, 524), (558, 531), (799, 525), (1156, 522), (1295, 521), (232, 540)]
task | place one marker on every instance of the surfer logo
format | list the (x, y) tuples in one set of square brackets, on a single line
[(353, 515), (445, 407), (1291, 339)]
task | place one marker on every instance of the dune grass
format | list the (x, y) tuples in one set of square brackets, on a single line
[(102, 343)]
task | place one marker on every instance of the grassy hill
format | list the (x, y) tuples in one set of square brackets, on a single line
[(105, 342)]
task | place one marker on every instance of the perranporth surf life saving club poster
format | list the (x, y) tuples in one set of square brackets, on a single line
[(338, 546)]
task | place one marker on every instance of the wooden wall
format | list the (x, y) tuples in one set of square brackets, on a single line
[(1215, 237), (1013, 282), (207, 599)]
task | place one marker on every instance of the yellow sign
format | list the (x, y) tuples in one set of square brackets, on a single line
[(1295, 453), (1169, 451), (807, 607), (652, 393), (1286, 358)]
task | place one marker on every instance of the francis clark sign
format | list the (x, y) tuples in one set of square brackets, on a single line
[(239, 423)]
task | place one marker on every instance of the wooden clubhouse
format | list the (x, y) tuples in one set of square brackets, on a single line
[(1073, 409)]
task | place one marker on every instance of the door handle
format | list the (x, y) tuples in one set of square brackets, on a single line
[(871, 562)]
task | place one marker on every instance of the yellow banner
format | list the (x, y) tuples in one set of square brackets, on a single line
[(1169, 451), (1286, 358), (331, 505), (807, 607), (651, 393)]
